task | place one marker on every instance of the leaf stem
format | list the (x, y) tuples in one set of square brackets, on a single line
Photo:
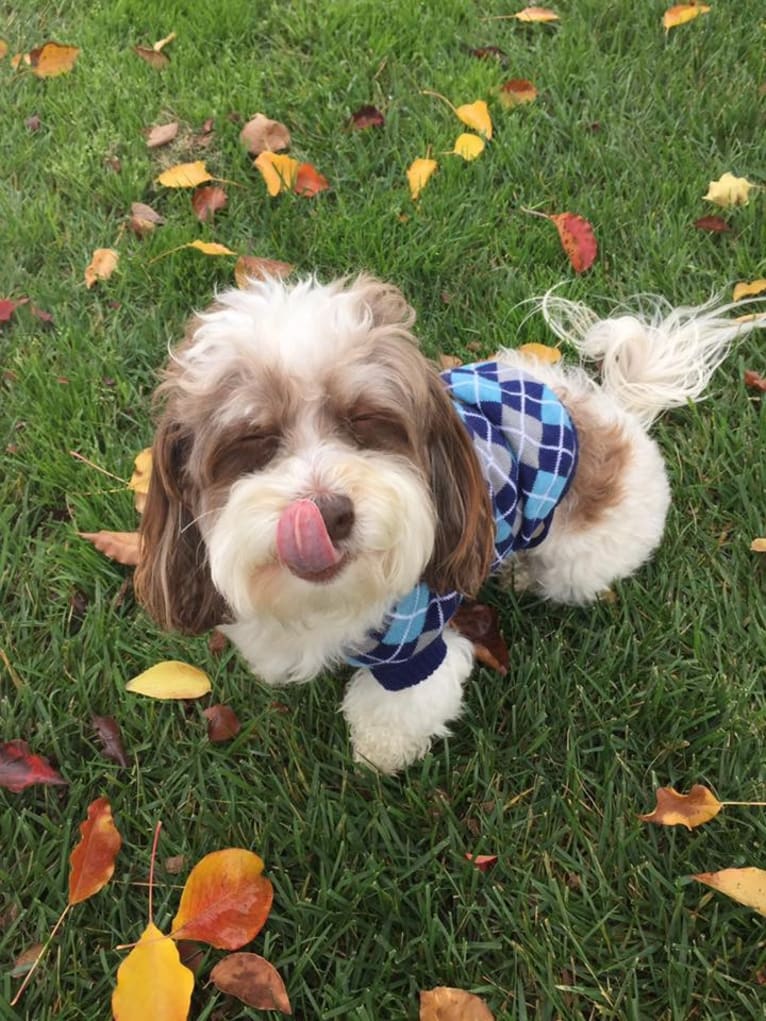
[(92, 464), (745, 804), (438, 95), (157, 829)]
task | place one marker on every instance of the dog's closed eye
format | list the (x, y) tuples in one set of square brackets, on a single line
[(377, 430), (245, 454)]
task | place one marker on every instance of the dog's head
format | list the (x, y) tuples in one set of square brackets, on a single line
[(307, 460)]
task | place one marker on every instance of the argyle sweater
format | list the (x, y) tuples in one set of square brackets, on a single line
[(527, 448)]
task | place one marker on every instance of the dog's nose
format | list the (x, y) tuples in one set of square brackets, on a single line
[(337, 512)]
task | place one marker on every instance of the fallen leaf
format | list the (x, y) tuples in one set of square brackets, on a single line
[(222, 723), (161, 134), (185, 175), (141, 477), (577, 239), (207, 200), (541, 352), (101, 266), (18, 59), (251, 267), (309, 182), (8, 306), (53, 59), (170, 679), (712, 223), (418, 175), (468, 146), (476, 116), (681, 13), (729, 190), (162, 43), (143, 219), (33, 123), (749, 290), (151, 56), (758, 545), (448, 362), (108, 732), (120, 546), (489, 53), (225, 901), (755, 380), (41, 314), (19, 768), (530, 14), (92, 860), (747, 886), (366, 117), (516, 92), (3, 48), (479, 623), (175, 864), (690, 810), (483, 862), (253, 981), (209, 248), (445, 1004), (23, 963), (152, 982), (261, 134), (279, 172)]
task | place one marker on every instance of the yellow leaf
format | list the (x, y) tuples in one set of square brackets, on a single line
[(139, 480), (159, 46), (469, 146), (152, 982), (748, 885), (745, 290), (101, 266), (689, 810), (536, 14), (418, 174), (729, 190), (185, 175), (171, 679), (278, 171), (53, 59), (541, 352), (476, 116), (210, 248), (758, 545), (3, 48), (681, 13)]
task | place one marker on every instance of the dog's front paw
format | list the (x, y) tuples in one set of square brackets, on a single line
[(387, 752)]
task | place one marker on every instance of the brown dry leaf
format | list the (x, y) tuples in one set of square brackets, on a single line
[(175, 864), (261, 134), (755, 380), (445, 1004), (254, 268), (151, 56), (161, 134), (141, 477), (729, 190), (479, 623), (516, 92), (680, 14), (206, 202), (366, 117), (253, 981), (690, 810), (52, 59), (185, 175), (758, 545), (715, 224), (120, 546), (23, 963), (143, 219), (110, 736), (530, 14), (747, 886), (749, 290), (101, 266), (222, 723)]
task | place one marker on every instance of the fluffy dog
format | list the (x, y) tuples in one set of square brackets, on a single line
[(323, 495)]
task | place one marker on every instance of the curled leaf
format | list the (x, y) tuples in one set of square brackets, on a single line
[(152, 57), (367, 117), (101, 266), (253, 981), (693, 809), (483, 862), (479, 623), (222, 723), (108, 732), (715, 224), (207, 200), (161, 134), (532, 14), (141, 477), (729, 190), (309, 182), (171, 679), (541, 352), (749, 290)]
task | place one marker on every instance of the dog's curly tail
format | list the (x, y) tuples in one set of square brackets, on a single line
[(653, 356)]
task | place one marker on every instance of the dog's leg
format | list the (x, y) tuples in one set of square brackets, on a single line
[(392, 729)]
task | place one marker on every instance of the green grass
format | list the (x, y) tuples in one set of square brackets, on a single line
[(587, 913)]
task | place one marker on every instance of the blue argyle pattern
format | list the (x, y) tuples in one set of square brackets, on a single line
[(526, 444)]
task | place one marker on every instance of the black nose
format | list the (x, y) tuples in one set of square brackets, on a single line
[(337, 513)]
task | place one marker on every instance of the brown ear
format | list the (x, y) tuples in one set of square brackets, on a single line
[(172, 579), (465, 529)]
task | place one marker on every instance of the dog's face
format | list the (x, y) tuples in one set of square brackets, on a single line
[(307, 461)]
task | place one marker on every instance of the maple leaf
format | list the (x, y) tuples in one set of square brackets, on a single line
[(152, 982), (516, 92), (418, 175), (92, 860), (253, 980), (749, 290), (533, 14), (693, 809), (712, 223), (747, 885), (680, 14), (308, 181), (161, 134), (476, 116), (19, 768), (366, 117), (261, 134), (225, 901), (52, 59), (222, 723), (251, 267), (279, 172), (206, 202), (108, 732), (101, 266), (445, 1004), (123, 547), (170, 679), (577, 239), (729, 190), (469, 146), (185, 175)]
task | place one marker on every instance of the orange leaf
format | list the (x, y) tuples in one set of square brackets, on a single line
[(278, 171), (309, 182), (3, 48), (748, 885), (536, 14), (445, 1004), (418, 174), (101, 266), (152, 982), (516, 92), (120, 546), (758, 545), (250, 267), (542, 352), (185, 175), (754, 380), (748, 289), (681, 13), (92, 860), (689, 810), (225, 901), (577, 239), (53, 59), (253, 981)]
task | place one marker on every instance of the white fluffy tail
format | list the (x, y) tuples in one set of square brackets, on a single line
[(654, 357)]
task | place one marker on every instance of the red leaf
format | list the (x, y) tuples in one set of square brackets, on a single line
[(92, 860), (41, 314), (712, 223), (20, 769), (253, 981), (755, 380), (309, 182), (206, 202), (108, 731), (577, 239), (482, 861), (222, 723), (8, 306), (367, 117)]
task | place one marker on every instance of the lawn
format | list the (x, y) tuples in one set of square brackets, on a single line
[(587, 913)]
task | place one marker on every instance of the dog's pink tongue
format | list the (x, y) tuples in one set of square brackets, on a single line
[(303, 544)]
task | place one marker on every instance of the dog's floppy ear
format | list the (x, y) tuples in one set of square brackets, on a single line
[(385, 302), (172, 578), (465, 529)]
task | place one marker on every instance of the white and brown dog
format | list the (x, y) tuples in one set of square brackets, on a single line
[(324, 495)]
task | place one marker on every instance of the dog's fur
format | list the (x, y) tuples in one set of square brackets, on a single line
[(281, 393)]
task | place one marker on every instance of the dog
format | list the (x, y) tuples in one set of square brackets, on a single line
[(323, 495)]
